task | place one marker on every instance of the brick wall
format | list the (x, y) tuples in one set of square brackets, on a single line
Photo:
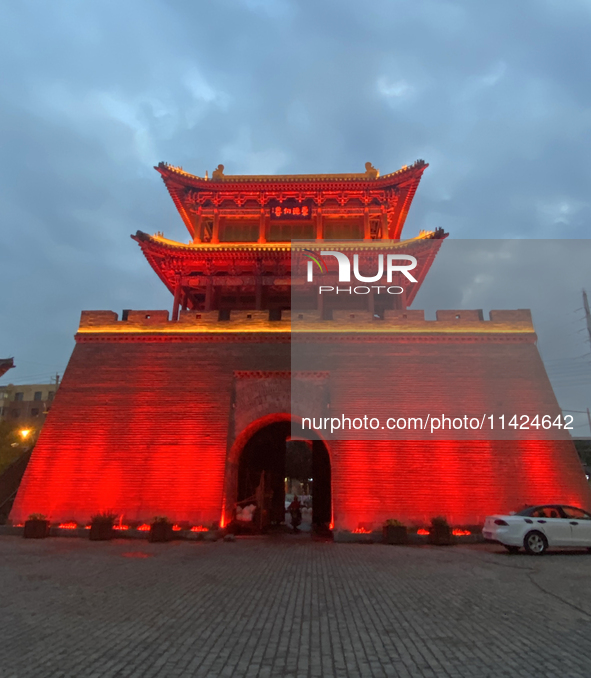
[(140, 428), (140, 425)]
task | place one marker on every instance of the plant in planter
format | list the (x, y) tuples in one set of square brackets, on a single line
[(440, 532), (394, 532), (101, 526), (160, 529), (36, 527)]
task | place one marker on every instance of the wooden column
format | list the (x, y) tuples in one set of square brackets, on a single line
[(263, 225), (208, 294), (177, 299), (366, 227), (319, 225), (402, 300), (371, 304), (198, 219), (384, 225), (185, 299), (259, 293), (215, 235)]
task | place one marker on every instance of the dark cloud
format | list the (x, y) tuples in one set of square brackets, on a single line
[(495, 96)]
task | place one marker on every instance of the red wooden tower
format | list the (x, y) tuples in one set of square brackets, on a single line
[(242, 230)]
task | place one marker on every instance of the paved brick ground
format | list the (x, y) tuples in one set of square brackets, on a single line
[(289, 608)]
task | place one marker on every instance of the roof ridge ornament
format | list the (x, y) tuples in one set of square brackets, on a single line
[(218, 173), (371, 172)]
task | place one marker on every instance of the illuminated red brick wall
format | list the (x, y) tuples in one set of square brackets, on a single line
[(140, 426), (464, 480)]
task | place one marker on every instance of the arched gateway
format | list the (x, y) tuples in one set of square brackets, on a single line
[(261, 448)]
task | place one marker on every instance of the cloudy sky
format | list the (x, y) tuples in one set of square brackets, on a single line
[(494, 95)]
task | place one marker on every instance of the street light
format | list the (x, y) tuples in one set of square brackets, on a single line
[(25, 436)]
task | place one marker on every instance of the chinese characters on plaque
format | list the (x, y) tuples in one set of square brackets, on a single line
[(291, 209)]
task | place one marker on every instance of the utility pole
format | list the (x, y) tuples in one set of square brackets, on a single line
[(587, 313), (588, 319)]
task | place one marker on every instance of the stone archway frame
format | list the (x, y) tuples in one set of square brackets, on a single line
[(236, 449), (256, 394)]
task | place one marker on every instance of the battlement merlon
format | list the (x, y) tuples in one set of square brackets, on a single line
[(502, 324)]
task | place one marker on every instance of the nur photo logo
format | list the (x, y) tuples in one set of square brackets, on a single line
[(388, 264)]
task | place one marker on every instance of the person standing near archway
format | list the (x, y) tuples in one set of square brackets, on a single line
[(295, 510)]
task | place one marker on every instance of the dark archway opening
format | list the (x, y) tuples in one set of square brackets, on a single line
[(274, 463)]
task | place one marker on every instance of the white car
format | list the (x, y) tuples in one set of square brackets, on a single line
[(539, 528)]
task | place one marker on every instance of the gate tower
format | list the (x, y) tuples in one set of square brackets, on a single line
[(156, 407)]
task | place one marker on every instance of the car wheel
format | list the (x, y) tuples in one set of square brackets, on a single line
[(512, 549), (535, 543)]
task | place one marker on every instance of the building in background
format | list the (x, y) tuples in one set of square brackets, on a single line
[(26, 402)]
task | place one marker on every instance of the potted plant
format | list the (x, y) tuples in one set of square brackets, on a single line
[(394, 532), (101, 526), (440, 532), (160, 529), (36, 527)]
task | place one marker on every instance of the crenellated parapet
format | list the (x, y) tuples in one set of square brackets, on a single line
[(516, 324)]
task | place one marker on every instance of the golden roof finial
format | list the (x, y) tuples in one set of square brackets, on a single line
[(370, 171), (218, 173)]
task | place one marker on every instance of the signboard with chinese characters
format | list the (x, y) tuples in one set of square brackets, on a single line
[(291, 209)]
